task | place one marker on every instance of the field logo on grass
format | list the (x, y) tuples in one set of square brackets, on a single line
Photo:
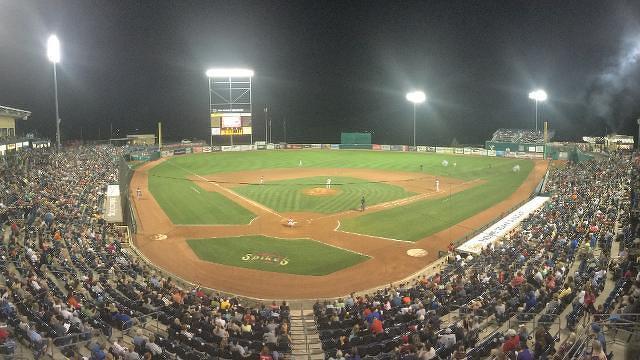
[(266, 258)]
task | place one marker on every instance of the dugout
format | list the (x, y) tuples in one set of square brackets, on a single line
[(355, 140)]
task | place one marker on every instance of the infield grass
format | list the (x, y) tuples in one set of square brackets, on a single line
[(291, 256), (288, 195)]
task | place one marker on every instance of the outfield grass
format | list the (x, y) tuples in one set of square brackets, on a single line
[(417, 220), (288, 195), (169, 184), (186, 203), (291, 256)]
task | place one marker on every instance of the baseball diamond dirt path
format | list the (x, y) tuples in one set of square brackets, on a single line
[(389, 261)]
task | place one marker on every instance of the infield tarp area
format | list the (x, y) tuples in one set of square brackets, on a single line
[(502, 227), (112, 207)]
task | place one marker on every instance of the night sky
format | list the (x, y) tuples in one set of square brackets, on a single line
[(327, 66)]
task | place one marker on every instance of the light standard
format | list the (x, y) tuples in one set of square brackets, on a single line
[(416, 97), (538, 96), (53, 53)]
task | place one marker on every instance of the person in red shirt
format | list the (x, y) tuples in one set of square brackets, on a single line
[(517, 280), (589, 300), (376, 327), (265, 354), (511, 342)]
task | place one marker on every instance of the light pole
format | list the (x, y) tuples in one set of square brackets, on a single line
[(416, 97), (538, 96), (53, 53), (638, 143)]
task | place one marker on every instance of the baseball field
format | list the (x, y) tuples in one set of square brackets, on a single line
[(202, 214)]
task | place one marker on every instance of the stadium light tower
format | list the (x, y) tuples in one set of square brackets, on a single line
[(538, 96), (416, 97), (53, 53)]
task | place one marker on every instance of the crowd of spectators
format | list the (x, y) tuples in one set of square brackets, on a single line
[(524, 275), (526, 136), (69, 282)]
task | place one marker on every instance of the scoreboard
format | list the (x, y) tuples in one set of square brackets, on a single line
[(229, 124)]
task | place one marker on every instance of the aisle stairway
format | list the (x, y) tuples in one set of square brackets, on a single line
[(304, 335)]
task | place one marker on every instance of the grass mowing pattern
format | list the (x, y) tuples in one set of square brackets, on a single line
[(288, 195), (417, 220), (409, 222), (186, 203), (304, 257)]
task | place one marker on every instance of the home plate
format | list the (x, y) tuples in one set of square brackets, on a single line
[(417, 252)]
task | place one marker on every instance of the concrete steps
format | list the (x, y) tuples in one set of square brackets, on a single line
[(304, 335)]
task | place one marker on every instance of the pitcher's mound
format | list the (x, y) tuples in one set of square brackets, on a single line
[(320, 191)]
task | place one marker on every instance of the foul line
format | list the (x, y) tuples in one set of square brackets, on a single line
[(374, 237), (194, 189), (258, 205)]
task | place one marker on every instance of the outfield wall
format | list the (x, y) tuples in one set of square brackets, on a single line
[(181, 149)]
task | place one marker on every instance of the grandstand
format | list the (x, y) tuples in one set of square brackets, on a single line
[(518, 142), (568, 274)]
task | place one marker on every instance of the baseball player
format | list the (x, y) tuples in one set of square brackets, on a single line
[(362, 203), (328, 184), (138, 193), (261, 180), (437, 185)]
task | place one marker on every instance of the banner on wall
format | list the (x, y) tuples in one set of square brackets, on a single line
[(385, 147), (179, 151), (444, 150), (491, 153), (421, 149), (335, 146), (458, 150), (197, 149), (166, 153), (316, 146), (206, 149), (396, 147)]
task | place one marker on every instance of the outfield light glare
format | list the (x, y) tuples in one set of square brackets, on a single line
[(53, 49), (233, 72), (538, 95), (416, 97)]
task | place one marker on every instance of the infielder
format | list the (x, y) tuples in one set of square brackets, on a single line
[(138, 193), (437, 185), (328, 184), (261, 180)]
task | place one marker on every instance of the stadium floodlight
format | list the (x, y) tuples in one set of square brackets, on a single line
[(53, 49), (416, 97), (231, 72), (53, 53), (538, 95)]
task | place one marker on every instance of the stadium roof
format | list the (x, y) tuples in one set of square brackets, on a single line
[(14, 113)]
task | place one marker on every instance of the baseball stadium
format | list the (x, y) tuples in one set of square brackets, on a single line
[(319, 181)]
